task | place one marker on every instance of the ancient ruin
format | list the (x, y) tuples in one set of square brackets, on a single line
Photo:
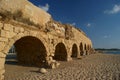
[(38, 39)]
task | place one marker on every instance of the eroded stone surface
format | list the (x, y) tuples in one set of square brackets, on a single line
[(29, 10)]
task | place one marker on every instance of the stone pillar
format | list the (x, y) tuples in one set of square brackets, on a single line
[(69, 58), (84, 52), (81, 53), (2, 71), (78, 53), (92, 51), (2, 62), (88, 52), (68, 54), (51, 63)]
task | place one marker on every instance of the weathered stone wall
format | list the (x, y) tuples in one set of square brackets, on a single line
[(11, 34), (83, 39), (38, 46)]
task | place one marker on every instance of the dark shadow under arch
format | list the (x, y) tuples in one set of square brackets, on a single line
[(81, 49), (74, 51), (85, 47), (30, 51), (60, 52)]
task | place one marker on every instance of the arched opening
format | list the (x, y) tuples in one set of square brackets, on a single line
[(81, 49), (88, 47), (74, 51), (85, 47), (60, 52), (29, 51), (11, 57)]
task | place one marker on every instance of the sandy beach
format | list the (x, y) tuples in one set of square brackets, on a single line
[(92, 67)]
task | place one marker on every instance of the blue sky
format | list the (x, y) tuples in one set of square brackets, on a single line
[(99, 19)]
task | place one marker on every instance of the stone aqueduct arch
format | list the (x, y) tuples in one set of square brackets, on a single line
[(81, 49), (30, 50), (7, 41), (74, 51), (60, 52), (36, 46), (18, 36)]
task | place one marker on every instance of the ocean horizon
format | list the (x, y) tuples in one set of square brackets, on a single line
[(112, 52)]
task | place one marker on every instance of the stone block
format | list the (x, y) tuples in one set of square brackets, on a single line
[(8, 27), (34, 33), (6, 49), (2, 55), (11, 42), (21, 34), (10, 34), (1, 25), (16, 29), (3, 39), (21, 29), (2, 62), (2, 33), (7, 34), (2, 77), (26, 32), (18, 36), (2, 71), (2, 45)]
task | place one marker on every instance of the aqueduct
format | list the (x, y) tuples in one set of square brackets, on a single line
[(38, 39)]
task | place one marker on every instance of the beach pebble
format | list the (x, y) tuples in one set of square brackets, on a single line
[(57, 64), (53, 65), (42, 70)]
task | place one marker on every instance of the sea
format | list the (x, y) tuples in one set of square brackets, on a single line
[(112, 52)]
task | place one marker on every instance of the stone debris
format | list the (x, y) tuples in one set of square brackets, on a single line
[(68, 32), (52, 63), (42, 70), (79, 57)]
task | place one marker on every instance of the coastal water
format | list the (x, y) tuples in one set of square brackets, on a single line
[(112, 52)]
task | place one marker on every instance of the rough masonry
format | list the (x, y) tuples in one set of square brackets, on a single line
[(38, 39)]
